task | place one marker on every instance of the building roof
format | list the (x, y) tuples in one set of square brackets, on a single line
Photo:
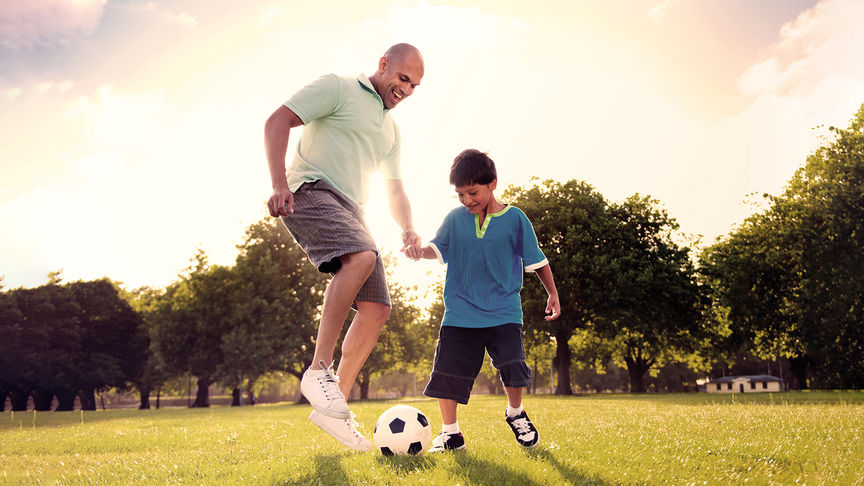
[(730, 379)]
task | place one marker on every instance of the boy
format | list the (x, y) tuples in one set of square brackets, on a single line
[(486, 245)]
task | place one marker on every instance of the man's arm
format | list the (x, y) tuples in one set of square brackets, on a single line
[(553, 305), (276, 131), (400, 208)]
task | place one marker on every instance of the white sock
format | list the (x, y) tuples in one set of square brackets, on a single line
[(512, 412), (451, 428)]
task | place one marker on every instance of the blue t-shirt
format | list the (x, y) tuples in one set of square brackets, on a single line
[(485, 266)]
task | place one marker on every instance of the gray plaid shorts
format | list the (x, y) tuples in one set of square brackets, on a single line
[(327, 224)]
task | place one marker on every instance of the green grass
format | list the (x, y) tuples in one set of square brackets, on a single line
[(812, 438)]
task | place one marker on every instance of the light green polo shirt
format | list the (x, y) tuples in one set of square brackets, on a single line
[(347, 136)]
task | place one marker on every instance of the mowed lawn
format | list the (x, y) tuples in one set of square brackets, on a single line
[(781, 438)]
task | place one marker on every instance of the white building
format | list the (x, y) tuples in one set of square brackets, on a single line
[(744, 384)]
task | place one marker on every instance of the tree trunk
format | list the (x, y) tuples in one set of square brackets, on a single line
[(3, 394), (202, 396), (88, 399), (562, 363), (301, 399), (798, 366), (42, 400), (145, 399), (364, 388), (236, 398), (18, 397), (65, 400), (637, 366), (158, 398)]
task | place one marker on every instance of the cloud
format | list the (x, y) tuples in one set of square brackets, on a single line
[(809, 79), (47, 22), (657, 13), (823, 41), (154, 9)]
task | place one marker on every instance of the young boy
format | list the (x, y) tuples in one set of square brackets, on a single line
[(486, 245)]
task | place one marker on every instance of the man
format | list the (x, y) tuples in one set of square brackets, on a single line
[(348, 134)]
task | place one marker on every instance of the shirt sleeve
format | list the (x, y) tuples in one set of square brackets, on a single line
[(391, 167), (441, 242), (315, 100), (532, 256)]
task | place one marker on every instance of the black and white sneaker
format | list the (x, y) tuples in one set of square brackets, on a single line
[(526, 434), (447, 442)]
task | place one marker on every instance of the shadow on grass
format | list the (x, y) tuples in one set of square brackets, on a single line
[(571, 475), (327, 470)]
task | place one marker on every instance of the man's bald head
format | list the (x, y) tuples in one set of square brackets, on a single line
[(399, 72)]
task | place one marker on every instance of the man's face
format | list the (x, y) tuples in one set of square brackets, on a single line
[(398, 77)]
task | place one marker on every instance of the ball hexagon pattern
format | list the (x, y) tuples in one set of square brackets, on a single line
[(402, 430)]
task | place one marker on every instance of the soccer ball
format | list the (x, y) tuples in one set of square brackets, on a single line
[(402, 430)]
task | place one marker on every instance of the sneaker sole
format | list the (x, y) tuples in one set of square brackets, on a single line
[(331, 433)]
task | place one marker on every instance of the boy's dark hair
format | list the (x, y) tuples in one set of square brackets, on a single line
[(472, 167)]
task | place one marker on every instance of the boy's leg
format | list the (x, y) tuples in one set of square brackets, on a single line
[(451, 438), (514, 397), (448, 410), (508, 356)]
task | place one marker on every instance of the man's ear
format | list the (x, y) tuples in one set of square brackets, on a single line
[(382, 64)]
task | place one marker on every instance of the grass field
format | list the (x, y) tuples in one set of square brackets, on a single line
[(785, 438)]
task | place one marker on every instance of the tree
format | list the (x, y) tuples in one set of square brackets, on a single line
[(405, 341), (656, 316), (279, 297), (189, 321), (573, 226)]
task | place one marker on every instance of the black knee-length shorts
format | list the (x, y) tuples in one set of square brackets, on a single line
[(460, 354)]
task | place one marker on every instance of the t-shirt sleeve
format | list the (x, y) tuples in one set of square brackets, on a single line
[(441, 242), (315, 100), (391, 167), (532, 257)]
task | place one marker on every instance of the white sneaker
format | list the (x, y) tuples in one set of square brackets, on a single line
[(343, 430), (321, 388)]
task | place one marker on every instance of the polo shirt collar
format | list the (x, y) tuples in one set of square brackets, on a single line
[(367, 85)]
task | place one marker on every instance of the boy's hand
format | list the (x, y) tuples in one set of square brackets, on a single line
[(414, 252), (553, 308)]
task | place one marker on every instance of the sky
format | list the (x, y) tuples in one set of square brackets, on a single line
[(131, 132)]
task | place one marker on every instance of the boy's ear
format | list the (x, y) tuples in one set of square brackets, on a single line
[(493, 185)]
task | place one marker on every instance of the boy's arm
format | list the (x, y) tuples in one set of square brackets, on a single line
[(553, 306)]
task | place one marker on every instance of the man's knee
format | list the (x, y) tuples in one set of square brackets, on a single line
[(374, 312), (362, 261)]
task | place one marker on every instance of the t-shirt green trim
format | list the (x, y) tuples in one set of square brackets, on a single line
[(481, 231)]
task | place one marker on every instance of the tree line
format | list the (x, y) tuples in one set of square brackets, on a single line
[(786, 284)]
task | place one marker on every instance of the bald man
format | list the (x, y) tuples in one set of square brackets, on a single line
[(348, 134)]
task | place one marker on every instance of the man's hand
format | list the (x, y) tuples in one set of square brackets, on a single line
[(411, 244), (276, 204), (553, 308)]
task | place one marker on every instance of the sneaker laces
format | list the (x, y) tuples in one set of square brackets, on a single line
[(522, 425), (329, 382)]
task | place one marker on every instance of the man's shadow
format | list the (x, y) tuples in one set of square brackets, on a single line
[(329, 469)]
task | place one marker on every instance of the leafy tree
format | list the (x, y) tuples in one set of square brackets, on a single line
[(658, 303), (573, 226), (189, 321), (799, 263), (405, 341), (279, 295)]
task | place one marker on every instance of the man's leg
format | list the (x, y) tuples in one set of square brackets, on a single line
[(359, 341), (340, 294)]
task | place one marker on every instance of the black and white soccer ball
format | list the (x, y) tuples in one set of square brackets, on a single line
[(402, 430)]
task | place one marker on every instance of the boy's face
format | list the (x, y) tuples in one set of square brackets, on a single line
[(476, 197)]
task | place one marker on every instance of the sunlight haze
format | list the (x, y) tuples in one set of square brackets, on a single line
[(132, 131)]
